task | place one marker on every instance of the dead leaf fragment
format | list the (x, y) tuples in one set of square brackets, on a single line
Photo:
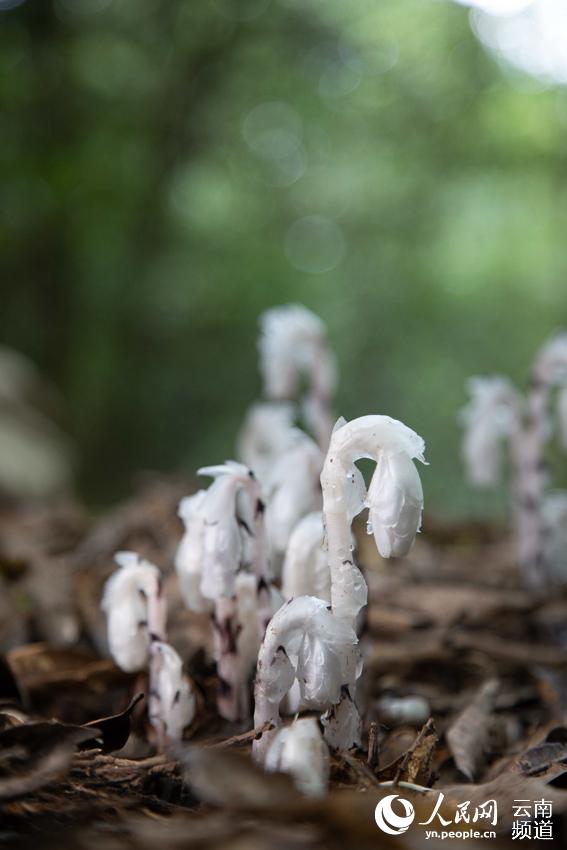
[(415, 766), (468, 737)]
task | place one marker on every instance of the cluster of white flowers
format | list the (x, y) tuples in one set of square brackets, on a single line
[(305, 649)]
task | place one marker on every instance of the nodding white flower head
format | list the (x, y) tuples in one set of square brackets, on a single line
[(133, 604), (305, 568), (210, 554), (294, 342), (299, 749), (176, 703), (292, 489), (268, 431), (492, 415), (306, 641), (395, 495)]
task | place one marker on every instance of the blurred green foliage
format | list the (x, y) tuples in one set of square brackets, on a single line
[(170, 169)]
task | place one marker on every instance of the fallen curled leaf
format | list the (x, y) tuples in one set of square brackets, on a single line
[(468, 737), (113, 731)]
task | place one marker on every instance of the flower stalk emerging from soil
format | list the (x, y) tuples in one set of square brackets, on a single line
[(221, 530), (394, 499)]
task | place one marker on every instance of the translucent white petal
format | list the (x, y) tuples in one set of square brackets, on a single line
[(277, 676), (318, 673), (342, 724)]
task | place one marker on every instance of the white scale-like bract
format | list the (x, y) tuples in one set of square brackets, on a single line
[(299, 749)]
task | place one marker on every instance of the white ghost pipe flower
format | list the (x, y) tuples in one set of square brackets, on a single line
[(175, 704), (136, 613), (304, 641), (498, 411), (394, 499), (135, 610), (299, 749), (492, 416), (293, 343), (306, 569), (267, 432), (209, 559), (188, 558), (549, 371), (292, 490)]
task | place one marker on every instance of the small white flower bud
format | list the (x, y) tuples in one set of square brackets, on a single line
[(293, 341), (176, 703), (189, 555), (395, 503), (300, 750), (128, 596)]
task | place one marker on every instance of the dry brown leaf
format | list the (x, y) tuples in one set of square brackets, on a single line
[(468, 737)]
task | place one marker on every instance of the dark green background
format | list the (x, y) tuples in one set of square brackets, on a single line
[(142, 232)]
